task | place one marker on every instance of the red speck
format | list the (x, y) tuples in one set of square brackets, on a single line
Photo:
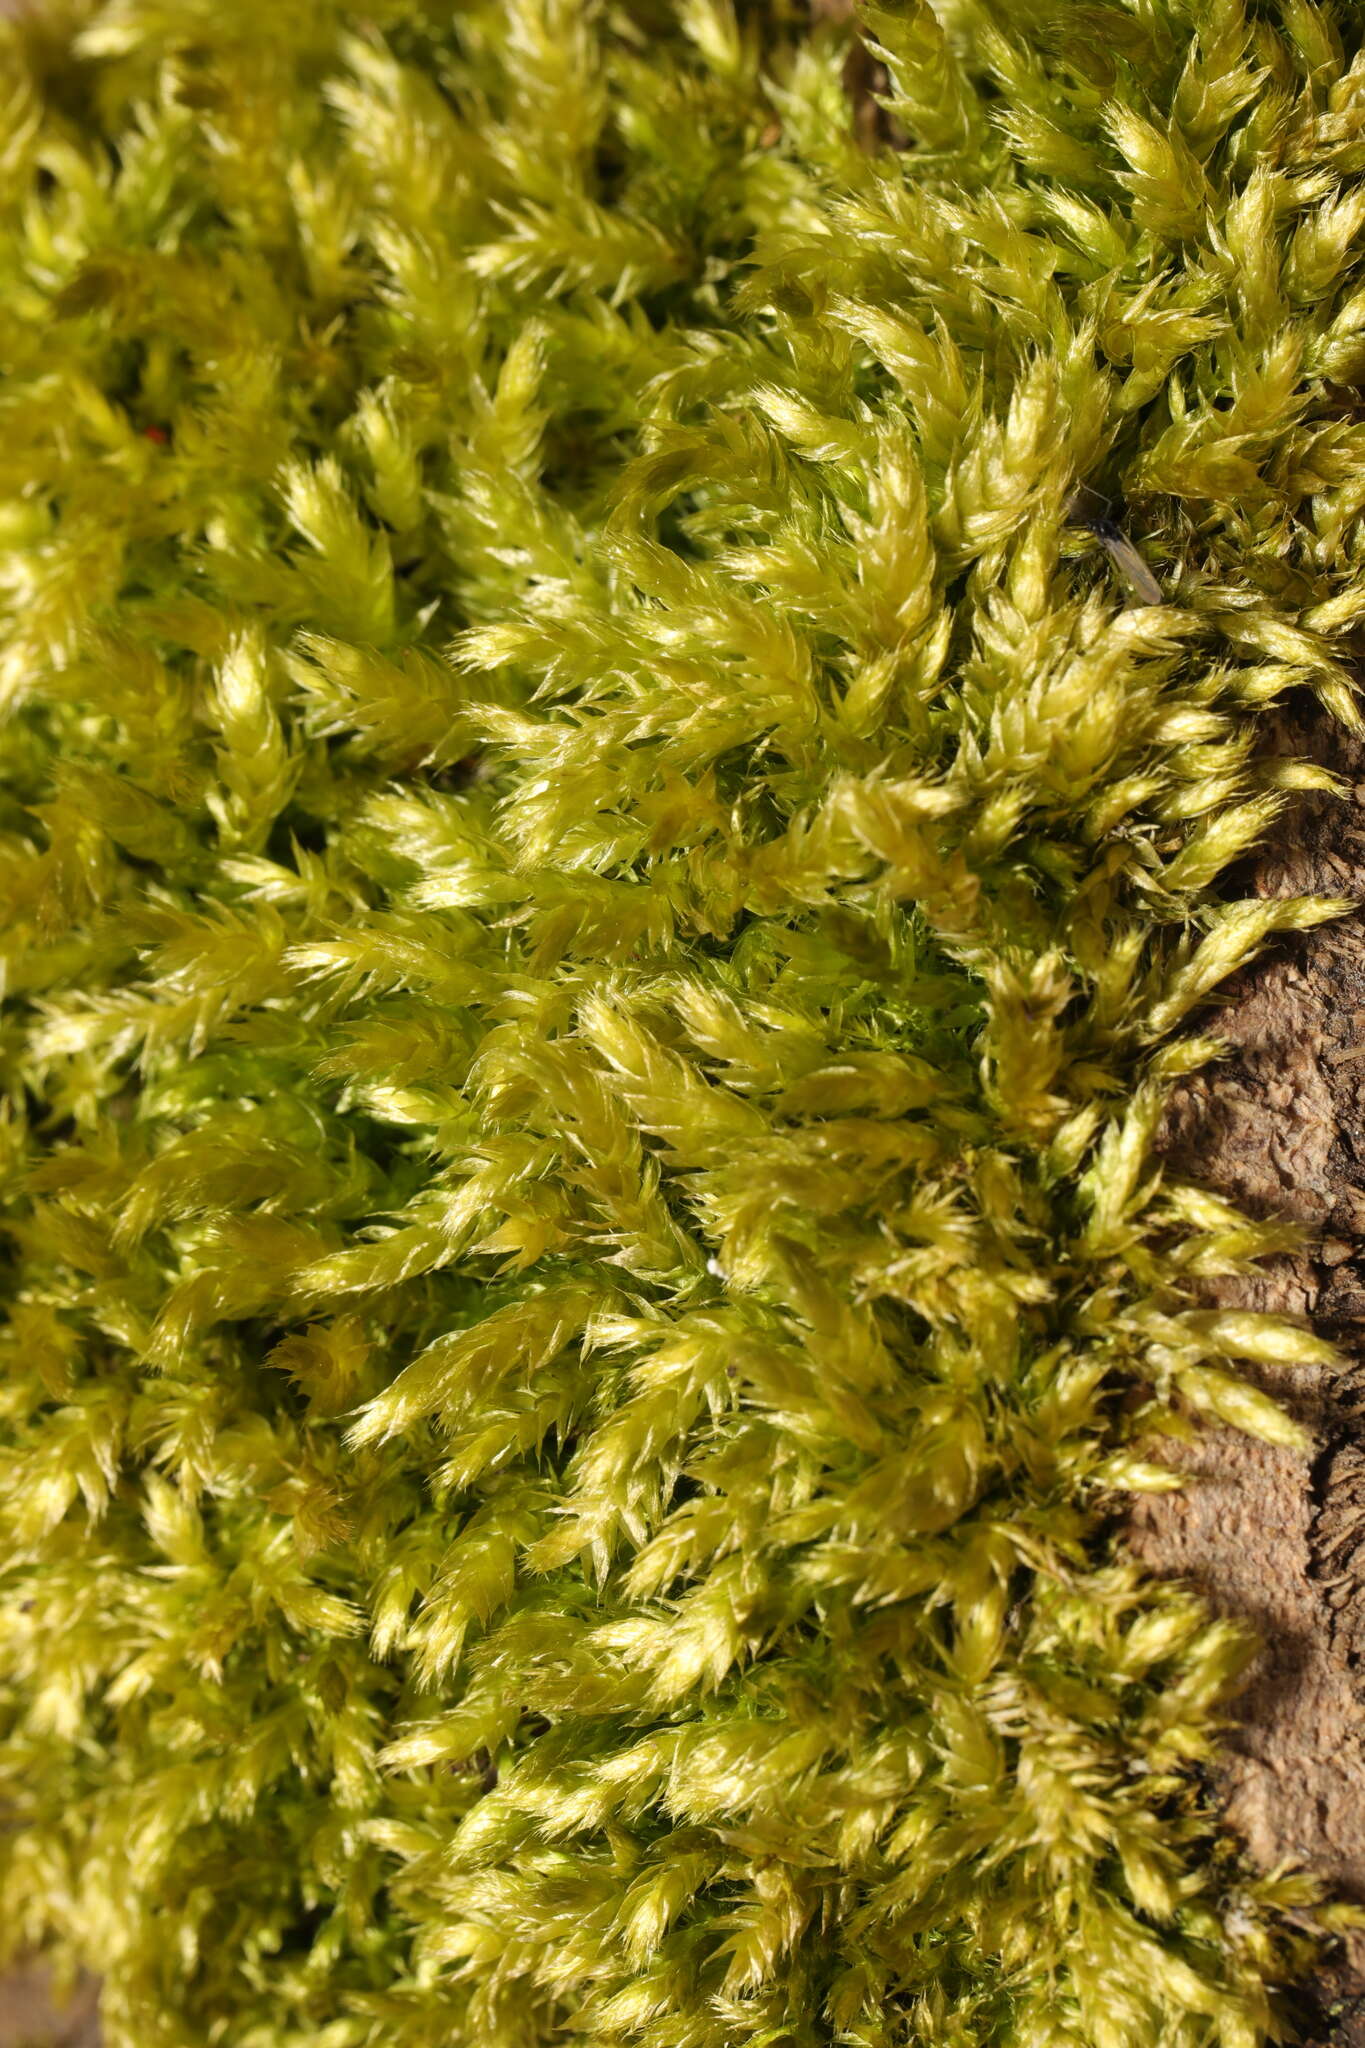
[(157, 434)]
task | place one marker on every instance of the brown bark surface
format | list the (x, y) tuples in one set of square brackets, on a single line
[(1266, 1534), (32, 2015)]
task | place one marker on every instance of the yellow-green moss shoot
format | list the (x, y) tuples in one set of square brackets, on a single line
[(625, 727)]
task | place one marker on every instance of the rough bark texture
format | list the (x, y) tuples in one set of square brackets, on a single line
[(32, 2016), (1277, 1538)]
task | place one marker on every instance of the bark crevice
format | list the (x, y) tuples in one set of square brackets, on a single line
[(1266, 1534)]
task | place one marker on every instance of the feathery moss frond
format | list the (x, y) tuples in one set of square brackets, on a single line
[(623, 722)]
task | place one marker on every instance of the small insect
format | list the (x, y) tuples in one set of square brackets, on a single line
[(1116, 544)]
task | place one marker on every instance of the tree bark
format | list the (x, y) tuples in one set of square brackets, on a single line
[(31, 2016), (1265, 1533)]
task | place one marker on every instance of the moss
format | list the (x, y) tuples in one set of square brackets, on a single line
[(607, 860)]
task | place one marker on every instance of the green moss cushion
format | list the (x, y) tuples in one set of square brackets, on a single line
[(624, 729)]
